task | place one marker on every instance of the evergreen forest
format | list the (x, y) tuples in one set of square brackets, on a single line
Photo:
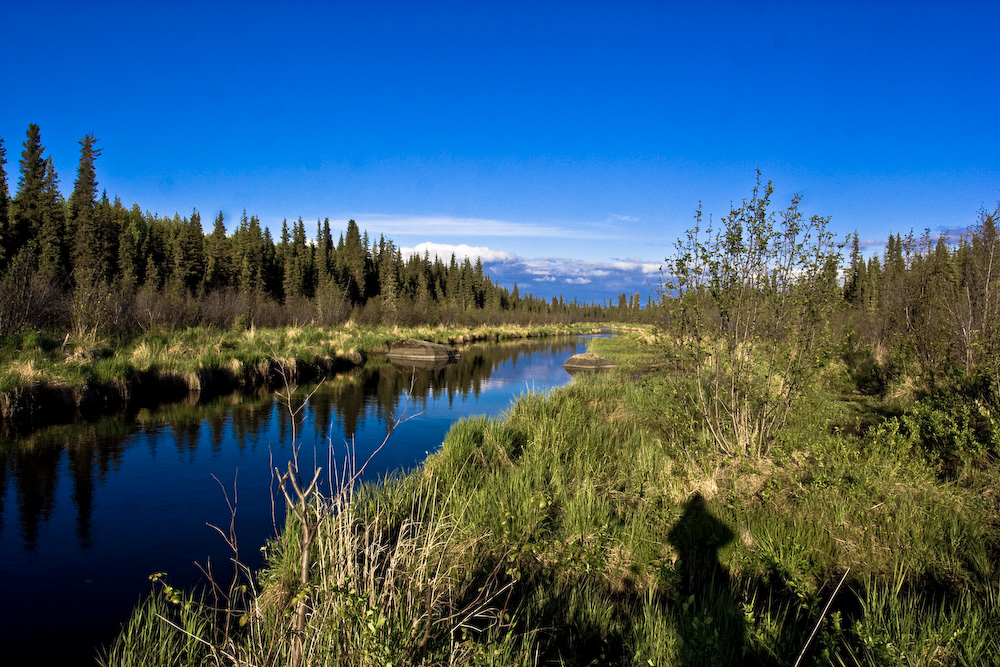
[(91, 265)]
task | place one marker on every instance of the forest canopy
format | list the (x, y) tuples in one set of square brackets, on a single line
[(91, 264)]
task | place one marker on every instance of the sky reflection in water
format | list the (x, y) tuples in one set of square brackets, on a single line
[(88, 512)]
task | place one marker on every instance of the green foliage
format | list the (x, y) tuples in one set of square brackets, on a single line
[(951, 429), (749, 308), (29, 203), (164, 631), (552, 536), (576, 516), (102, 269), (5, 229)]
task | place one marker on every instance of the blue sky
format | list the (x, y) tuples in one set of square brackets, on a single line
[(567, 143)]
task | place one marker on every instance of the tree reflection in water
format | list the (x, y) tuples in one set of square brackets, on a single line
[(89, 511), (35, 463)]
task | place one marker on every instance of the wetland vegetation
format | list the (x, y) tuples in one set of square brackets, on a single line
[(795, 460), (594, 526)]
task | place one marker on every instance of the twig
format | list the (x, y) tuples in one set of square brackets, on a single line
[(821, 617)]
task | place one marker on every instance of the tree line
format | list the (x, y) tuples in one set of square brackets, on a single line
[(929, 306), (89, 264), (760, 302)]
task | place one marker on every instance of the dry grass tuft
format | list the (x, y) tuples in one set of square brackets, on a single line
[(27, 371)]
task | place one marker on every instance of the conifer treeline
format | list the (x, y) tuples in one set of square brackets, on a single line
[(930, 306), (91, 264)]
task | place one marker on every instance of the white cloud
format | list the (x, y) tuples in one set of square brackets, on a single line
[(614, 217), (461, 251), (646, 268), (539, 269), (566, 269)]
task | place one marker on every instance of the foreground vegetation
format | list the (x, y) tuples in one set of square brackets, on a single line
[(595, 526)]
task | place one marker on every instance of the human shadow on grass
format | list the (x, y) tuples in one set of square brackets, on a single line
[(711, 625)]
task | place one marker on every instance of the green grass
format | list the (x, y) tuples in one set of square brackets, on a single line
[(598, 525), (161, 633)]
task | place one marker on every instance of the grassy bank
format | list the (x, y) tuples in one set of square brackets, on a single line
[(48, 380), (599, 525)]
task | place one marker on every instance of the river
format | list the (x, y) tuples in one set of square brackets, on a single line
[(89, 511)]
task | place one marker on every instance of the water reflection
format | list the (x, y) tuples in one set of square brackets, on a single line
[(82, 455), (88, 511)]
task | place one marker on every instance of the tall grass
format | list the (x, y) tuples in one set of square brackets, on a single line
[(161, 633), (597, 525)]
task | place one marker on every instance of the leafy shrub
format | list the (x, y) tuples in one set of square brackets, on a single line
[(951, 430)]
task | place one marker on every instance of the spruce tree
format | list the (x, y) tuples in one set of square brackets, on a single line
[(29, 203), (307, 254), (217, 262), (467, 285), (355, 259), (189, 259), (111, 218), (53, 253), (158, 253), (389, 279), (852, 285), (82, 223), (453, 282), (272, 267), (4, 197), (296, 267), (324, 252), (248, 256), (132, 243)]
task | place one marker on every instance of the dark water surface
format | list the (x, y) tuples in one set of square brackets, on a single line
[(88, 512)]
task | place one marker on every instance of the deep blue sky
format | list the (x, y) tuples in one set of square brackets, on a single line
[(569, 142)]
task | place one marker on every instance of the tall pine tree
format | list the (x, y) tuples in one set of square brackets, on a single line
[(53, 253), (29, 204), (189, 254), (356, 260), (218, 273), (88, 254), (4, 198)]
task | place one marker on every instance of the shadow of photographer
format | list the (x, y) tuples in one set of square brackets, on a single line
[(711, 621)]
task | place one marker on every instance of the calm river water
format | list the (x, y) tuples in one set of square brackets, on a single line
[(88, 512)]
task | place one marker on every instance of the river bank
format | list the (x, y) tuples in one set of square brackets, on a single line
[(89, 510), (47, 380), (599, 525)]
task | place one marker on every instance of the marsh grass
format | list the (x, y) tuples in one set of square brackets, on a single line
[(160, 633), (38, 372), (597, 525)]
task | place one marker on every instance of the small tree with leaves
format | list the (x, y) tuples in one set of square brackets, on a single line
[(749, 304)]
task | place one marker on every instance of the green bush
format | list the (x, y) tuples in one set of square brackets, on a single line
[(952, 430)]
